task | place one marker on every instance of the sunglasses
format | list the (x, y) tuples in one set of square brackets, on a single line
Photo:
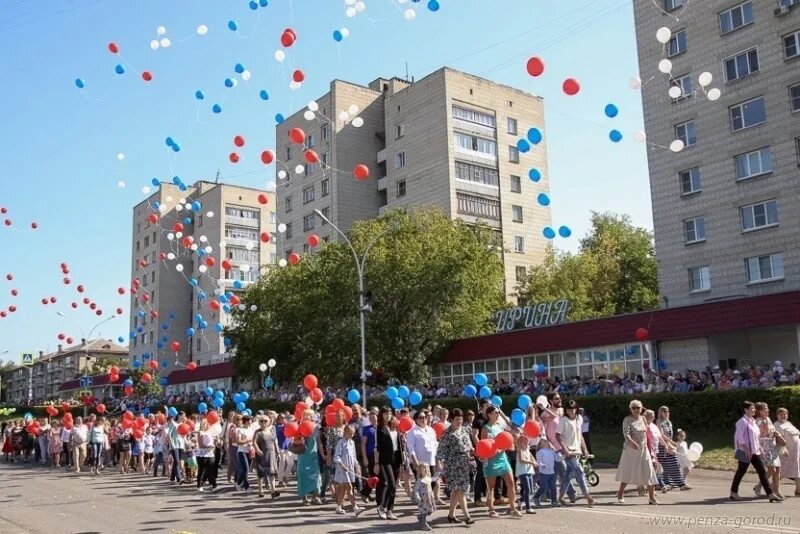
[(636, 408)]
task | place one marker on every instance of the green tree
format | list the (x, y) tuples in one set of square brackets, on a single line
[(614, 272), (429, 279)]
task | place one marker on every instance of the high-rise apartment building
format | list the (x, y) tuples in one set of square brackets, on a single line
[(449, 140), (230, 220), (725, 207)]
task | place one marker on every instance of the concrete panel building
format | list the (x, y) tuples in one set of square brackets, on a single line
[(447, 140), (724, 208), (231, 221)]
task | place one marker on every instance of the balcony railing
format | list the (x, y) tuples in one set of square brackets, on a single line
[(242, 221)]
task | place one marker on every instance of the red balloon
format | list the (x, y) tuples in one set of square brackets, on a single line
[(485, 449), (297, 135), (34, 226), (263, 199), (128, 390), (290, 430), (504, 441), (8, 222), (184, 429), (298, 76), (531, 429), (67, 281), (3, 314), (152, 364), (294, 258), (642, 334), (161, 418), (535, 66), (337, 404), (99, 312), (288, 37), (227, 265), (44, 301), (113, 378), (405, 424), (213, 304), (439, 428), (267, 157), (52, 300), (153, 218), (212, 417), (69, 341), (101, 408), (113, 48), (348, 413), (313, 240), (191, 366), (136, 281), (210, 261), (147, 76), (177, 227), (238, 141), (68, 425), (146, 377), (310, 382), (306, 428), (571, 86), (175, 346), (120, 311), (330, 418), (234, 157), (12, 308), (62, 336), (93, 306), (86, 300), (137, 434), (316, 395), (311, 156), (146, 298), (361, 172), (372, 482), (265, 237), (9, 277)]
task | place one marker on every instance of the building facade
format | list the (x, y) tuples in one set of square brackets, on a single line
[(234, 221), (448, 140), (725, 207)]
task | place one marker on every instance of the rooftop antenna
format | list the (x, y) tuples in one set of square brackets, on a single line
[(216, 180), (406, 70)]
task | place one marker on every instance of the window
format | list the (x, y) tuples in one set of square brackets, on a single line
[(791, 45), (324, 160), (325, 186), (288, 203), (736, 17), (399, 130), (233, 232), (241, 255), (519, 243), (272, 218), (516, 213), (521, 272), (695, 230), (747, 114), (288, 232), (475, 144), (699, 279), (512, 126), (308, 195), (308, 222), (309, 169), (794, 96), (137, 245), (797, 146), (146, 241), (470, 115), (476, 173), (306, 248), (686, 132), (513, 154), (789, 3), (288, 153), (761, 215), (753, 163), (690, 180), (241, 213), (478, 206), (516, 184), (310, 141), (741, 65), (325, 131), (327, 213), (401, 189), (684, 83), (201, 220), (677, 44), (764, 268), (672, 5), (400, 159), (199, 344)]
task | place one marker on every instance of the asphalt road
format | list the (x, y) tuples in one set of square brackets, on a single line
[(35, 500)]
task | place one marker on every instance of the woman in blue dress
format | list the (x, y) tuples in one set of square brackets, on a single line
[(308, 477), (498, 465)]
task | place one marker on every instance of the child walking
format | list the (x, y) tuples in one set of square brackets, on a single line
[(546, 458), (525, 471), (344, 458), (683, 454), (148, 444), (423, 493)]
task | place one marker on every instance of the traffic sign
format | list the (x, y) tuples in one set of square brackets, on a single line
[(27, 358), (86, 381)]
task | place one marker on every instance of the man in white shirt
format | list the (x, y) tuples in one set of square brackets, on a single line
[(422, 447), (570, 440), (78, 438)]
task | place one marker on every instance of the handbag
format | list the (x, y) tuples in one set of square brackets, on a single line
[(298, 447), (741, 456)]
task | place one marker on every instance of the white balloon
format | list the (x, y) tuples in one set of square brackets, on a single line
[(209, 249), (344, 116), (299, 169), (293, 85), (696, 445), (165, 42), (281, 174), (242, 307), (345, 32), (676, 146), (350, 2), (194, 247), (705, 79), (640, 136), (675, 92), (202, 29), (360, 7), (313, 106), (410, 14), (170, 236), (280, 55), (203, 239), (253, 308), (162, 209), (154, 44), (222, 244), (282, 262), (714, 94), (178, 207), (353, 109), (245, 268), (179, 235), (146, 190), (169, 199), (218, 292), (161, 30), (246, 75), (281, 228), (262, 367), (271, 363), (171, 256), (308, 115), (210, 214), (202, 268), (249, 245), (358, 122), (181, 200), (663, 35), (350, 12), (179, 267), (121, 184), (120, 156), (665, 66), (635, 83), (220, 281), (693, 455)]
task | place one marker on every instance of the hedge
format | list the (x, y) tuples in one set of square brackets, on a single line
[(708, 411)]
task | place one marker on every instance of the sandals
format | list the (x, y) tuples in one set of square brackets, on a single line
[(493, 514), (515, 513)]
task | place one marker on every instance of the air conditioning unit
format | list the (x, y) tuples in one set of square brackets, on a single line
[(782, 11)]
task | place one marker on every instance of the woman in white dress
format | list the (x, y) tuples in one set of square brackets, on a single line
[(790, 462), (635, 464)]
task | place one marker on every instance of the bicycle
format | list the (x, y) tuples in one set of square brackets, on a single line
[(591, 476)]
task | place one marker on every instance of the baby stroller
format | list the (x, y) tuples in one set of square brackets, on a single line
[(591, 476)]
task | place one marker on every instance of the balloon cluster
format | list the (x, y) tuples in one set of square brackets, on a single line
[(8, 222), (482, 390), (399, 396)]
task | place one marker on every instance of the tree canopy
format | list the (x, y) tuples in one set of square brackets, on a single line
[(429, 280)]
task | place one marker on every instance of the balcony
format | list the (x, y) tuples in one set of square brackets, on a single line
[(382, 183), (240, 242), (381, 156), (242, 221)]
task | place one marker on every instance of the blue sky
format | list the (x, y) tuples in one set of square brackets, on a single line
[(58, 150)]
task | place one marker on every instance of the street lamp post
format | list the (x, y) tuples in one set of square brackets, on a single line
[(363, 307)]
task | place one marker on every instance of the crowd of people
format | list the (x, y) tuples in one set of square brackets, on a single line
[(459, 460)]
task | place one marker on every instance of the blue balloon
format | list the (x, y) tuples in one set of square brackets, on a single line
[(229, 83), (227, 308), (481, 379), (232, 26), (615, 136), (198, 317), (169, 141), (239, 68), (237, 398), (535, 136), (415, 398), (227, 342), (121, 339), (337, 36), (523, 402), (433, 5), (518, 417), (146, 411), (223, 298), (196, 206), (164, 326), (248, 411), (611, 111), (155, 204), (240, 407), (209, 391), (219, 327), (128, 382), (202, 325), (548, 232), (172, 411), (119, 69), (199, 95), (218, 402), (485, 392), (193, 282), (279, 118), (245, 396), (398, 403), (164, 364), (163, 381), (535, 175), (264, 94), (497, 401), (139, 329), (219, 394), (403, 392), (202, 407), (564, 231), (140, 313), (391, 393), (523, 145), (136, 364), (156, 182), (176, 180), (216, 108), (79, 83), (201, 294), (238, 284), (353, 396), (470, 391), (543, 199), (176, 147), (132, 335), (253, 5), (263, 3), (189, 332)]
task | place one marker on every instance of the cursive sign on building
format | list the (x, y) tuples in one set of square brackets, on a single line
[(533, 316)]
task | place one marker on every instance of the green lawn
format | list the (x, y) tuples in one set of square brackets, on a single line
[(717, 449)]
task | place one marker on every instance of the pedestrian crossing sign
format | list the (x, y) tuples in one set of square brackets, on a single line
[(27, 358)]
